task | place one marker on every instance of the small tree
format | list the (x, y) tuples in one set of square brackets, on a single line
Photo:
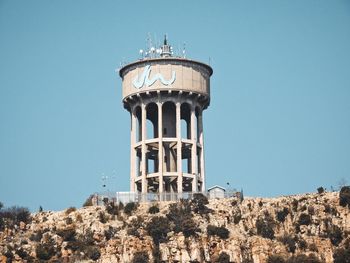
[(341, 255), (264, 227), (14, 215), (46, 250), (320, 190), (289, 242), (304, 219), (335, 235), (112, 208), (221, 232), (199, 203), (303, 258), (68, 234), (140, 257), (224, 258), (158, 228), (180, 214), (344, 196), (129, 208), (103, 217), (93, 252), (70, 210), (154, 209), (275, 259), (282, 214)]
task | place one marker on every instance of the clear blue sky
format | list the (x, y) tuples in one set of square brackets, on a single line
[(281, 80)]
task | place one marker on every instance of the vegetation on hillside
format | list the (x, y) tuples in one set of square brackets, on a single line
[(293, 224)]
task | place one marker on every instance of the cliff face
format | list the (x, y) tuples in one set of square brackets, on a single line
[(250, 231)]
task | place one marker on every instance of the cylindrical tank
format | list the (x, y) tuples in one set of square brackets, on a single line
[(166, 97)]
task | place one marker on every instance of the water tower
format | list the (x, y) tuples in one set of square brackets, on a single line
[(166, 96)]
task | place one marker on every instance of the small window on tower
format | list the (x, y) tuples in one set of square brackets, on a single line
[(165, 159)]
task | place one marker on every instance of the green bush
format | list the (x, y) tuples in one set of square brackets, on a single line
[(112, 208), (154, 209), (304, 259), (282, 214), (237, 217), (341, 255), (46, 250), (275, 259), (304, 219), (36, 236), (198, 204), (85, 243), (92, 252), (344, 196), (13, 216), (68, 220), (68, 234), (70, 210), (264, 227), (130, 207), (22, 253), (79, 218), (313, 247), (2, 224), (289, 242), (295, 204), (180, 214), (9, 256), (311, 210), (140, 257), (335, 234), (103, 217), (223, 258), (110, 232), (134, 226), (247, 259), (221, 231), (158, 228), (320, 190), (189, 227), (302, 243)]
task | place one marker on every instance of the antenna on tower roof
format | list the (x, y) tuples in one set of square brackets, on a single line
[(184, 50), (167, 50)]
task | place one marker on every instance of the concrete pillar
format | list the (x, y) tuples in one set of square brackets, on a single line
[(132, 151), (160, 145), (179, 147), (144, 149), (194, 161), (201, 142)]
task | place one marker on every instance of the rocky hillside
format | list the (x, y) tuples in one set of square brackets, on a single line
[(300, 228)]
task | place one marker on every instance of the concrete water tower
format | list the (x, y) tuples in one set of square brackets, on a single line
[(166, 96)]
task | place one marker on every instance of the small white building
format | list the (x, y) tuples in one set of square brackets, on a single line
[(216, 192)]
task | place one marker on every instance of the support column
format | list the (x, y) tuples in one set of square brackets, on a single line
[(132, 151), (179, 148), (194, 161), (143, 151), (160, 150), (201, 142)]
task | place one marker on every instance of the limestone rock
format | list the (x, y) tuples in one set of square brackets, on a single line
[(113, 244)]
